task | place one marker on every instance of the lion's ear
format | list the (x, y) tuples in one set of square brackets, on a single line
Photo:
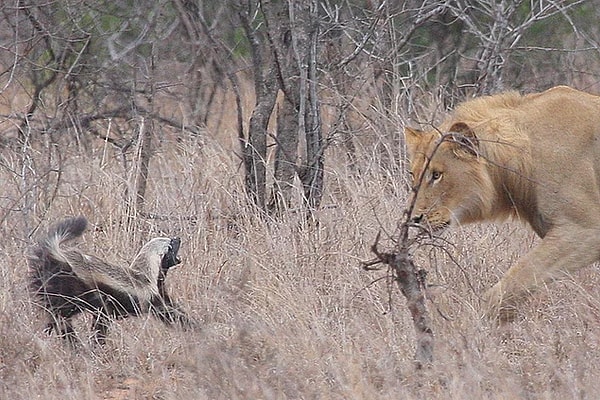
[(413, 138), (412, 135), (465, 139)]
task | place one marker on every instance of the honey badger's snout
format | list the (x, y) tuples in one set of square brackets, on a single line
[(175, 243), (417, 218), (171, 258)]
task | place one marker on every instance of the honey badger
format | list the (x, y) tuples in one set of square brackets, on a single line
[(67, 282)]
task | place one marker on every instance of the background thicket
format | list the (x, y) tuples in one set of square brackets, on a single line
[(268, 135)]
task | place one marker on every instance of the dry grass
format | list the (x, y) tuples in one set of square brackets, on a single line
[(287, 311)]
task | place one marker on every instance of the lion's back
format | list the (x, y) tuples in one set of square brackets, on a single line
[(547, 146)]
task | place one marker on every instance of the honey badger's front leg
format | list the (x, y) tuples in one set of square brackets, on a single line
[(170, 313), (100, 327), (64, 329), (162, 306), (562, 250)]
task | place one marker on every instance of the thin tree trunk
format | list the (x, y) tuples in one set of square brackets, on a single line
[(286, 155), (299, 139), (144, 165), (411, 282), (312, 178), (254, 149), (284, 36)]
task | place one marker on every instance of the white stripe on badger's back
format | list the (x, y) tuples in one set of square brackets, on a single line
[(138, 279)]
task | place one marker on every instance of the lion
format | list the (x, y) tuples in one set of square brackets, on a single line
[(534, 157)]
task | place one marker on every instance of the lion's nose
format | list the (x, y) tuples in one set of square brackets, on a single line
[(417, 218)]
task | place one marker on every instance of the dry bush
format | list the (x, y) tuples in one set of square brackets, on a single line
[(287, 312)]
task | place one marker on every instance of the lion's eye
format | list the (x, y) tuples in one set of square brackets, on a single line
[(435, 175)]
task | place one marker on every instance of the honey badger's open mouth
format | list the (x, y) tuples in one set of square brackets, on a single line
[(171, 258), (175, 243)]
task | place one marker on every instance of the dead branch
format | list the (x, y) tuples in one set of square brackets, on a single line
[(410, 278), (411, 281)]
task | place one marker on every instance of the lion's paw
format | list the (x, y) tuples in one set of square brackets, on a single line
[(497, 307)]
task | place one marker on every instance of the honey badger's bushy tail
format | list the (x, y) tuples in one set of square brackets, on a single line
[(64, 231), (49, 257)]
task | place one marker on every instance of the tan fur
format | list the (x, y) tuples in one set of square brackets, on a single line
[(535, 157)]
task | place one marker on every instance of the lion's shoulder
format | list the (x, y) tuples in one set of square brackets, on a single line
[(488, 107)]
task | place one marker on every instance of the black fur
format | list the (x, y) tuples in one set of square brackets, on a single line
[(64, 294)]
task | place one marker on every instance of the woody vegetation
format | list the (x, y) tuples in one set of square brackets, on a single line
[(268, 136)]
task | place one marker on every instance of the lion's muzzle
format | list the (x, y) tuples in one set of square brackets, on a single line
[(416, 219)]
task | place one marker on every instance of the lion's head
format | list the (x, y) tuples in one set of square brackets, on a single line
[(451, 179)]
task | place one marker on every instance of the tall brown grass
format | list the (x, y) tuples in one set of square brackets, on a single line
[(287, 311)]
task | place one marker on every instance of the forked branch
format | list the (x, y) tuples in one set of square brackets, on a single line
[(410, 278), (411, 281)]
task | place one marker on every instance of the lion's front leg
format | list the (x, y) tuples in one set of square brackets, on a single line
[(560, 252), (497, 305)]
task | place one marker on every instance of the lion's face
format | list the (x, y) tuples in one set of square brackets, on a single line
[(450, 180)]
